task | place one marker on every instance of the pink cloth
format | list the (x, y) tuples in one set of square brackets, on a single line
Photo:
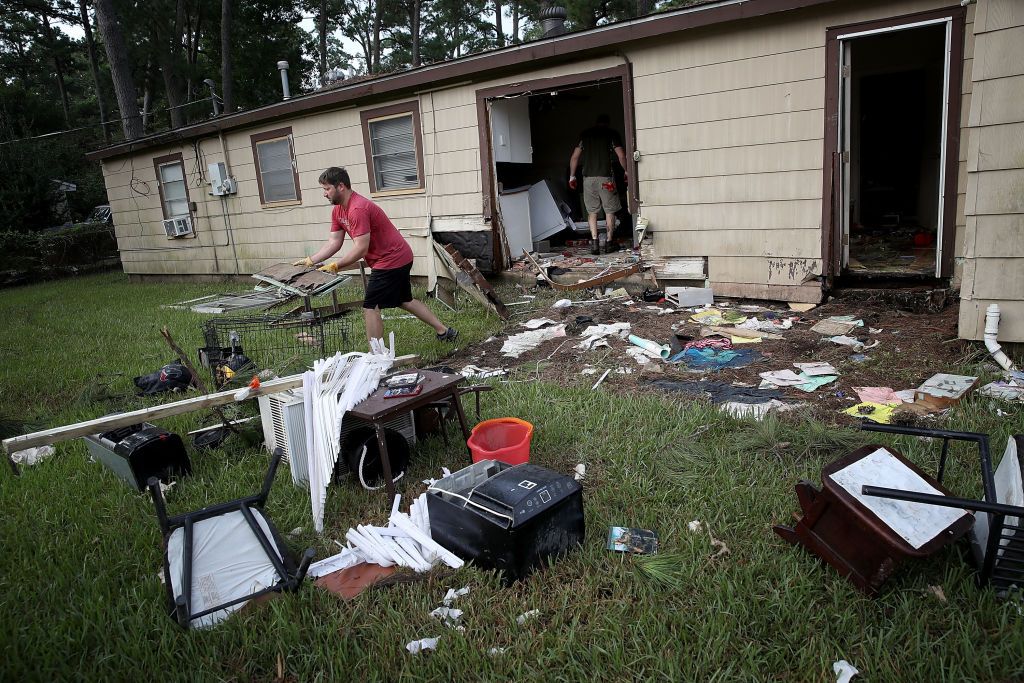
[(388, 249), (708, 343), (877, 395)]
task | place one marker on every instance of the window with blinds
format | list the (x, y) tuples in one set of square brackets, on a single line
[(393, 153), (172, 189), (275, 167)]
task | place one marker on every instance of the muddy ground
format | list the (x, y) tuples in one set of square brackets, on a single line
[(911, 348)]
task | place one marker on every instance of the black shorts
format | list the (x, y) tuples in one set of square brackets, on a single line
[(388, 288)]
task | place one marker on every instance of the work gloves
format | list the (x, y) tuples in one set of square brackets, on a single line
[(572, 182), (331, 268), (308, 262)]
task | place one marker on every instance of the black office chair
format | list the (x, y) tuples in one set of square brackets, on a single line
[(218, 558)]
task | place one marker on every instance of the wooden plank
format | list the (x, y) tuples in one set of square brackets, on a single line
[(586, 284), (466, 276), (73, 431)]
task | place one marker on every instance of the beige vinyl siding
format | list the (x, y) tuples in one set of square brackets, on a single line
[(264, 236), (730, 125), (994, 235)]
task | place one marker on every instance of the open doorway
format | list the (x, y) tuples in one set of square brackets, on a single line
[(896, 98), (533, 129)]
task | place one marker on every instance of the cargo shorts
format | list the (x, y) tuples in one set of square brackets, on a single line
[(597, 195)]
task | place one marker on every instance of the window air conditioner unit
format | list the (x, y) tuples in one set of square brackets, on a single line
[(176, 227), (284, 426)]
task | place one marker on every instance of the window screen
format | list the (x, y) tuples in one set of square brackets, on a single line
[(393, 149), (276, 172), (172, 185)]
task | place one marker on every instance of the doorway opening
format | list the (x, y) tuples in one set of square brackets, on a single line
[(532, 136), (894, 197)]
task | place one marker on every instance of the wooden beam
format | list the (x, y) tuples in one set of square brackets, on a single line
[(188, 405)]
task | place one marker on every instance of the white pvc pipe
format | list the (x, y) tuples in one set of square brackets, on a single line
[(654, 347), (991, 333)]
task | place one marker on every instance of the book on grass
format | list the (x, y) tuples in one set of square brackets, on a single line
[(626, 540)]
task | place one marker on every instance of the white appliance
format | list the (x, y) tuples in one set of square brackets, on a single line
[(177, 227), (284, 426)]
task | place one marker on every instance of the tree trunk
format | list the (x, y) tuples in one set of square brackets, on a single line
[(94, 67), (415, 26), (227, 84), (58, 69), (169, 61), (497, 23), (376, 37), (644, 7), (321, 34), (515, 22), (120, 69)]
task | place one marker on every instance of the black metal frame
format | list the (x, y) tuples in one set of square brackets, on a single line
[(291, 575), (1002, 575)]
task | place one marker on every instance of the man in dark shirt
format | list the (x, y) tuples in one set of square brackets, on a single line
[(595, 148)]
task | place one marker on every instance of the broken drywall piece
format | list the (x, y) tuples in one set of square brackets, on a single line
[(476, 372), (783, 378), (844, 671), (689, 296), (1003, 391), (801, 308), (417, 646), (537, 323), (580, 471), (756, 411)]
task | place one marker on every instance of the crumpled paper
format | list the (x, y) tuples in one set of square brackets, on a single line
[(519, 344), (417, 646), (32, 456)]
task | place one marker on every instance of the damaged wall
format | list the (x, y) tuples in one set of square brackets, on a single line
[(730, 124), (994, 235)]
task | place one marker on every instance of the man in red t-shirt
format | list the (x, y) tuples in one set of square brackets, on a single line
[(376, 240)]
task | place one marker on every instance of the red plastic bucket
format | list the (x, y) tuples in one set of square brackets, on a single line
[(506, 439)]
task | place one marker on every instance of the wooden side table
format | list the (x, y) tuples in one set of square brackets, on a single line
[(376, 410)]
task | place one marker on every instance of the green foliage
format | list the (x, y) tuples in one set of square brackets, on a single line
[(78, 244)]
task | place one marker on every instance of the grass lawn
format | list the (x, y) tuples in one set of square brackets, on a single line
[(80, 598)]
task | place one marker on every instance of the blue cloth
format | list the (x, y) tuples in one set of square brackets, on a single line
[(716, 359)]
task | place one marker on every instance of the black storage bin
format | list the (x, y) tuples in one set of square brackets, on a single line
[(510, 518), (138, 452)]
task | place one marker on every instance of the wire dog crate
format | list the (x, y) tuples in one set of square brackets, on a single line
[(284, 343)]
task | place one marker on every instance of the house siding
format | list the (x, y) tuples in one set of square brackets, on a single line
[(730, 125), (729, 121), (994, 234)]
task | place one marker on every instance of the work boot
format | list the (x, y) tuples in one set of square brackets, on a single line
[(595, 247), (611, 246), (449, 335)]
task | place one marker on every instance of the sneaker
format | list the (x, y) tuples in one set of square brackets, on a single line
[(449, 335), (595, 247)]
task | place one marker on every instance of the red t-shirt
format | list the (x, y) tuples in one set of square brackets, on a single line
[(388, 249)]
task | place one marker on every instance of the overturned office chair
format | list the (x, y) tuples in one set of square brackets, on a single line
[(218, 558)]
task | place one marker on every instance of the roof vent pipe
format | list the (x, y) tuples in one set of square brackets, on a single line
[(282, 66), (991, 333), (552, 20)]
